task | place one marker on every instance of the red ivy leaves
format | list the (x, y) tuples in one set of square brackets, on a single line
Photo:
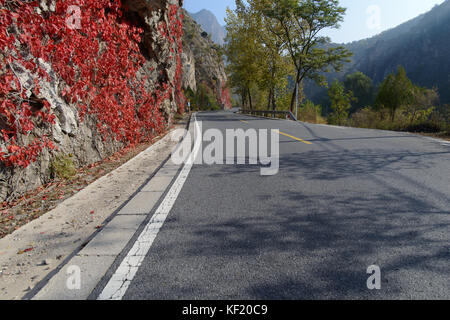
[(98, 64), (225, 98)]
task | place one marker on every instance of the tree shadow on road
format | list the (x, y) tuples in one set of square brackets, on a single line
[(308, 245), (321, 246)]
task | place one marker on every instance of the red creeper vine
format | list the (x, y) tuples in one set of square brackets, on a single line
[(98, 64)]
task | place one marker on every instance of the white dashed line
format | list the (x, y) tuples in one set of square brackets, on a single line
[(120, 281)]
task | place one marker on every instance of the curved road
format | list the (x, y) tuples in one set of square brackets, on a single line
[(344, 199), (350, 199)]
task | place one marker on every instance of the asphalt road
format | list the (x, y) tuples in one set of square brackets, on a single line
[(350, 199)]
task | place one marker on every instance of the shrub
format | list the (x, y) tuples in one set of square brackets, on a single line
[(62, 166), (309, 112), (381, 119), (340, 103), (426, 127), (203, 99), (365, 118)]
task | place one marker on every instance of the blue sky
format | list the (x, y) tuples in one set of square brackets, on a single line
[(364, 18)]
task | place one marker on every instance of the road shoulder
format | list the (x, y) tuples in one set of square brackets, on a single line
[(55, 236)]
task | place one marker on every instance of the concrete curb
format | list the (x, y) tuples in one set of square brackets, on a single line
[(93, 259)]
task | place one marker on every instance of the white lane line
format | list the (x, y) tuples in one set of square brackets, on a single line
[(120, 281), (440, 141)]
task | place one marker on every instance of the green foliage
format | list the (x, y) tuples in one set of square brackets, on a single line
[(340, 103), (400, 105), (394, 92), (309, 112), (241, 48), (284, 99), (398, 93), (431, 120), (379, 119), (220, 53), (443, 112), (420, 45), (63, 167), (422, 104), (417, 45), (362, 88), (366, 118), (189, 30), (202, 100), (299, 25), (270, 40)]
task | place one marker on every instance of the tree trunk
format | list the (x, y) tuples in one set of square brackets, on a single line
[(244, 99), (269, 99), (294, 94), (250, 99), (272, 87), (293, 98), (274, 103)]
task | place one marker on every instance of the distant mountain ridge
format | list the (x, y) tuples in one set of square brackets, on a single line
[(421, 45), (208, 21)]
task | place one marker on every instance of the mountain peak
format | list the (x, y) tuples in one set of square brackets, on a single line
[(208, 21), (205, 12)]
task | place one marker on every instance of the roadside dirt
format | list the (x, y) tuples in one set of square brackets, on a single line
[(42, 228), (443, 136), (31, 206)]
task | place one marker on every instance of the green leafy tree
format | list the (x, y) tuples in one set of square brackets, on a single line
[(273, 65), (341, 101), (299, 25), (362, 88), (395, 92), (241, 47), (422, 104), (202, 99), (257, 63)]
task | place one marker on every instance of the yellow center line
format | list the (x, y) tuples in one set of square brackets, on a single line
[(292, 137), (243, 121)]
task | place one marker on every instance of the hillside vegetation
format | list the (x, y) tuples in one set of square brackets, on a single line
[(397, 80), (421, 46)]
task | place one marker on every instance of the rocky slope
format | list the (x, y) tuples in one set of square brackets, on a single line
[(209, 23), (203, 61), (77, 130)]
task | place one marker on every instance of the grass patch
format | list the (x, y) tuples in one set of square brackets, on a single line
[(63, 167)]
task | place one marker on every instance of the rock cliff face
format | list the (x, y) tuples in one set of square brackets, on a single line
[(189, 72), (204, 59), (76, 132), (161, 53)]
